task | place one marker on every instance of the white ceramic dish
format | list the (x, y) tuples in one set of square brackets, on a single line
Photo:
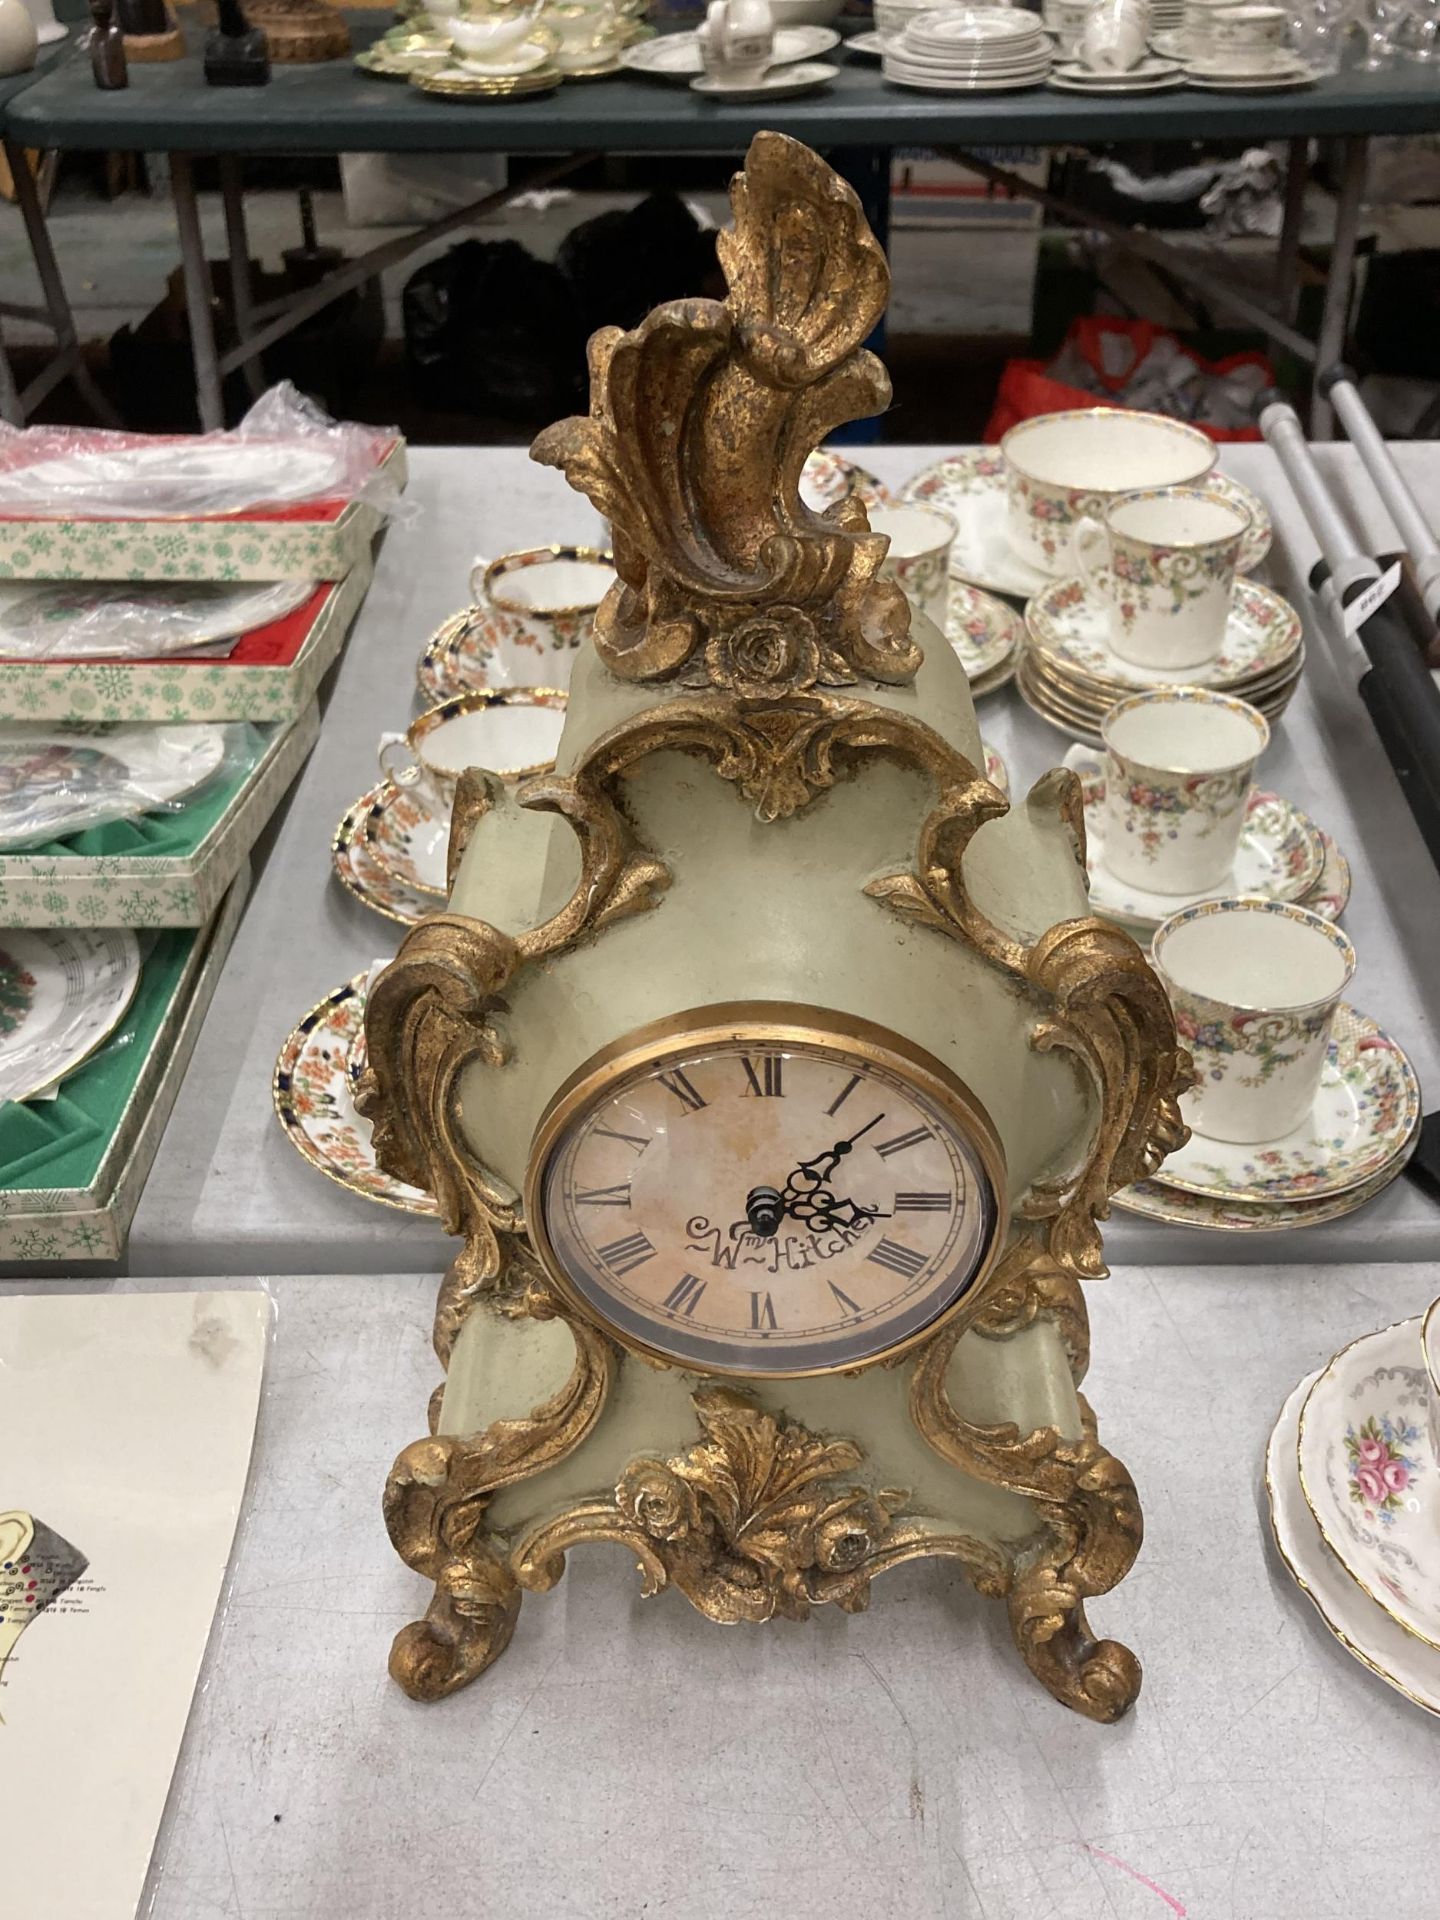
[(55, 782), (1067, 85), (1370, 1477), (113, 620), (676, 56), (984, 632), (1375, 1640), (1153, 1200), (170, 479), (778, 84), (61, 994)]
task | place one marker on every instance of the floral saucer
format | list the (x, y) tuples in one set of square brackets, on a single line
[(1370, 1476), (984, 632), (312, 1095), (970, 487), (1377, 1642), (401, 833), (361, 874), (1069, 626), (487, 646), (1364, 1114), (1153, 1200), (1280, 857), (828, 477), (1330, 895), (61, 995)]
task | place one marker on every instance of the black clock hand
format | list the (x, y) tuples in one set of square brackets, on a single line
[(806, 1198)]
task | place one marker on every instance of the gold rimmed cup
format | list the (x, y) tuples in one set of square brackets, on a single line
[(510, 731)]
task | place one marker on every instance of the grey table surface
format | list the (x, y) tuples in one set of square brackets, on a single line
[(229, 1194), (628, 1758), (333, 107)]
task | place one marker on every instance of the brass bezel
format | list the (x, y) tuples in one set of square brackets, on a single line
[(770, 1023)]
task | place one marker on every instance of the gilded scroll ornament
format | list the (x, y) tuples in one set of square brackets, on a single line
[(700, 422)]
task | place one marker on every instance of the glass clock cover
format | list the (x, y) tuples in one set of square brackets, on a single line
[(767, 1202)]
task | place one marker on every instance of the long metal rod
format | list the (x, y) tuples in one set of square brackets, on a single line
[(10, 411), (58, 314), (1346, 565), (1147, 247), (199, 296), (1287, 259), (1339, 282), (388, 254), (237, 240), (1416, 534)]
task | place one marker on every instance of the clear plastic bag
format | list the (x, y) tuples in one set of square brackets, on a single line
[(114, 620), (57, 780), (63, 992), (285, 451)]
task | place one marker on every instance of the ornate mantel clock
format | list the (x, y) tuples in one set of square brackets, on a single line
[(768, 1063)]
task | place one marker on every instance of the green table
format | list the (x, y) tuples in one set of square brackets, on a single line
[(333, 108)]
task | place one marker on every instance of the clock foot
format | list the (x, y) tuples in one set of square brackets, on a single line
[(1099, 1678), (465, 1630)]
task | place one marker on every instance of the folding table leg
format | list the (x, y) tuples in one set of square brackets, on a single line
[(199, 296), (1340, 281), (57, 305), (1287, 260), (9, 394), (232, 194)]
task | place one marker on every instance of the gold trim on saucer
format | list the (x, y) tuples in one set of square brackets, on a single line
[(458, 86)]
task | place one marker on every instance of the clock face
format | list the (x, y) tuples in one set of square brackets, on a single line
[(777, 1201)]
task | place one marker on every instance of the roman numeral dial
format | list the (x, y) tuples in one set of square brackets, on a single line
[(749, 1203)]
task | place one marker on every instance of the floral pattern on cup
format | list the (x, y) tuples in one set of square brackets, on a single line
[(1152, 813), (1270, 1040), (491, 583), (1171, 576)]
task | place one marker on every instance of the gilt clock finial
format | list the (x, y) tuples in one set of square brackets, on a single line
[(700, 421)]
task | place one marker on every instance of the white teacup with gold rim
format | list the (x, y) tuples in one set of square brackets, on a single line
[(555, 591), (919, 557), (509, 731), (1254, 985), (1165, 560), (586, 35), (1061, 467), (1178, 768)]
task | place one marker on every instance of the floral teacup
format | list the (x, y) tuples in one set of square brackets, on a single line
[(510, 731), (554, 590), (1061, 466), (1178, 764), (919, 557), (1166, 560), (1254, 985)]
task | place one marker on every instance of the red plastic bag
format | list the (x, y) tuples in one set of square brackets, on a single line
[(1026, 388)]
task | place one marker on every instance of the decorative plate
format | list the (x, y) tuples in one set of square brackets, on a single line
[(828, 477), (1364, 1114), (171, 478), (984, 632), (1330, 895), (486, 646), (1069, 625), (61, 994), (1280, 857), (113, 620), (1155, 1201), (996, 771), (676, 56), (459, 83), (361, 874), (312, 1095), (60, 780), (1377, 1642), (1370, 1476), (390, 63), (970, 487), (399, 831)]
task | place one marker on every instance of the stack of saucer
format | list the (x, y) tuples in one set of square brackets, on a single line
[(970, 50), (1071, 675), (1352, 1472)]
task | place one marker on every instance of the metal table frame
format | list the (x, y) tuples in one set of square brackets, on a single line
[(858, 121)]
